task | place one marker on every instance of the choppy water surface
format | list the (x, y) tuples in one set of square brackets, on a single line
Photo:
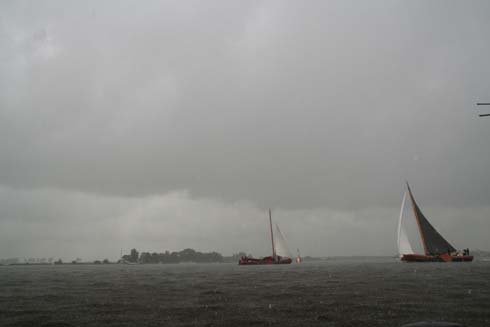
[(381, 292)]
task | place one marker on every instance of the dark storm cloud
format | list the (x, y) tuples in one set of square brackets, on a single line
[(301, 106), (330, 103)]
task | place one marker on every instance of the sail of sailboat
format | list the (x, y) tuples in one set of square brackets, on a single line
[(281, 248), (434, 243), (404, 246)]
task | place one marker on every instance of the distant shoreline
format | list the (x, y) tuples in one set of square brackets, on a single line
[(194, 257)]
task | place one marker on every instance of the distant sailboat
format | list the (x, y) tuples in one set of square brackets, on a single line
[(435, 247), (280, 252), (298, 257)]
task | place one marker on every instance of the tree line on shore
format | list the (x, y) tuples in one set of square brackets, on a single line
[(186, 255)]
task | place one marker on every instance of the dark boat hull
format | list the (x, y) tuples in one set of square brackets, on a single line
[(246, 261), (436, 258)]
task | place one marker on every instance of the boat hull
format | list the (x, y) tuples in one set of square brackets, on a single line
[(247, 261), (436, 258)]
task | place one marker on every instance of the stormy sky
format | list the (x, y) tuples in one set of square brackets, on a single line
[(162, 125)]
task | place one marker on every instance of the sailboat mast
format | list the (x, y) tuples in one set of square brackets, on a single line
[(272, 236)]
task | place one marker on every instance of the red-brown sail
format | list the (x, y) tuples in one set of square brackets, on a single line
[(434, 243)]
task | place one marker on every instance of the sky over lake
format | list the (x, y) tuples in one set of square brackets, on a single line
[(162, 125)]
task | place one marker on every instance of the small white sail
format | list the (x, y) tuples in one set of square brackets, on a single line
[(404, 246), (280, 244)]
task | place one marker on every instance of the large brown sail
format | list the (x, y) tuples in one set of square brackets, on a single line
[(434, 243)]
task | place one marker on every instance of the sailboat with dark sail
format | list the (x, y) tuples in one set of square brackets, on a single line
[(435, 248), (280, 252)]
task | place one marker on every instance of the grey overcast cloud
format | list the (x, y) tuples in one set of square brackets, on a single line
[(163, 125)]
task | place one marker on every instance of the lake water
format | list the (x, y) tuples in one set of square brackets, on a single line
[(337, 292)]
